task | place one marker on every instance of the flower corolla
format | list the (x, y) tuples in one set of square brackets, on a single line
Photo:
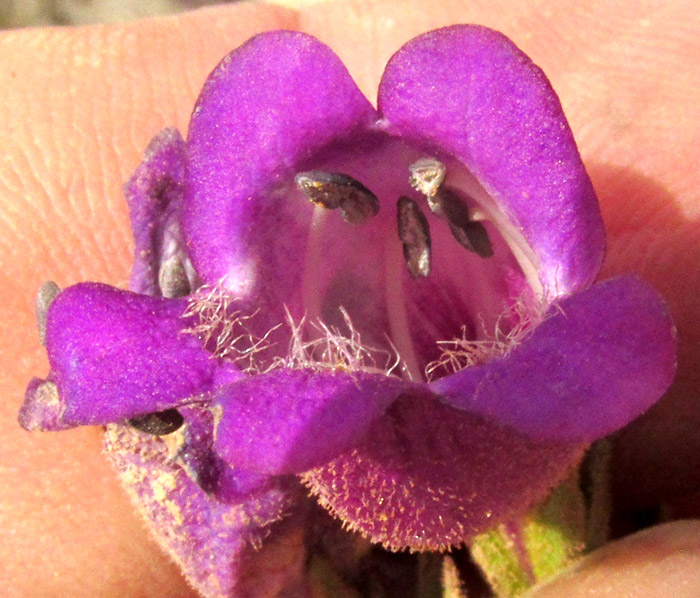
[(395, 307)]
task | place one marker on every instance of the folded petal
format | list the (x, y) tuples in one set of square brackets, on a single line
[(268, 105), (468, 91), (288, 421), (154, 194), (195, 453), (253, 546), (601, 358), (115, 354), (428, 476)]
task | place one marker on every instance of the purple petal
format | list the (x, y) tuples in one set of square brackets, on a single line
[(469, 91), (195, 453), (224, 550), (271, 103), (154, 194), (601, 358), (429, 476), (288, 421), (116, 354)]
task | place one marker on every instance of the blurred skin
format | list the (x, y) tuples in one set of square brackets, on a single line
[(79, 106), (659, 562)]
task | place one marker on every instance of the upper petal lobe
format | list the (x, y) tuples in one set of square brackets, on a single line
[(469, 91), (269, 104)]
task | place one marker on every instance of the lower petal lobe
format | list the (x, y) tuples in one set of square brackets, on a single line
[(116, 354), (599, 359), (288, 421), (428, 476)]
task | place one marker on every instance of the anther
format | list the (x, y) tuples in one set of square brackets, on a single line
[(415, 236), (44, 298), (159, 423), (47, 393), (469, 234), (42, 409), (426, 176), (172, 278), (333, 190)]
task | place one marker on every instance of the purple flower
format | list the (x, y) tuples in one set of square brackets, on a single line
[(394, 306)]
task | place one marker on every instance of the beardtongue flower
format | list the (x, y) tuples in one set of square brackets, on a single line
[(395, 306)]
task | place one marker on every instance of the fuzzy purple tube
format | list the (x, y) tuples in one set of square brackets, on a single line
[(420, 410)]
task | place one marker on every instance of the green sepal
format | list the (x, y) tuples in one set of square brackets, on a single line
[(516, 555), (555, 532), (452, 586), (497, 555)]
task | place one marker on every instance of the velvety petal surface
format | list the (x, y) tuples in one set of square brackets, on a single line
[(253, 546), (601, 358), (288, 421), (116, 354), (268, 105), (429, 476), (154, 195), (469, 91), (192, 449)]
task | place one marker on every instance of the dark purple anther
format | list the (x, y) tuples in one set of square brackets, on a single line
[(159, 423), (414, 233), (172, 278), (470, 234), (44, 297), (333, 190)]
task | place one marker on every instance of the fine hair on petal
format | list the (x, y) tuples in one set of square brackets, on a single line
[(224, 328), (511, 328), (330, 349), (228, 333)]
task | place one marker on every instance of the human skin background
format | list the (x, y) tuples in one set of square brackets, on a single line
[(78, 107)]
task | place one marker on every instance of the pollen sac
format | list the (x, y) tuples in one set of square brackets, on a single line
[(44, 298), (426, 176), (172, 278), (415, 236), (159, 423), (333, 190), (469, 234)]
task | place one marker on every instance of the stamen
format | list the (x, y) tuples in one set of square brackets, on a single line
[(224, 329), (172, 278), (511, 328), (469, 234), (47, 394), (333, 190), (42, 409), (159, 423), (426, 176), (44, 298), (415, 236), (330, 349)]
